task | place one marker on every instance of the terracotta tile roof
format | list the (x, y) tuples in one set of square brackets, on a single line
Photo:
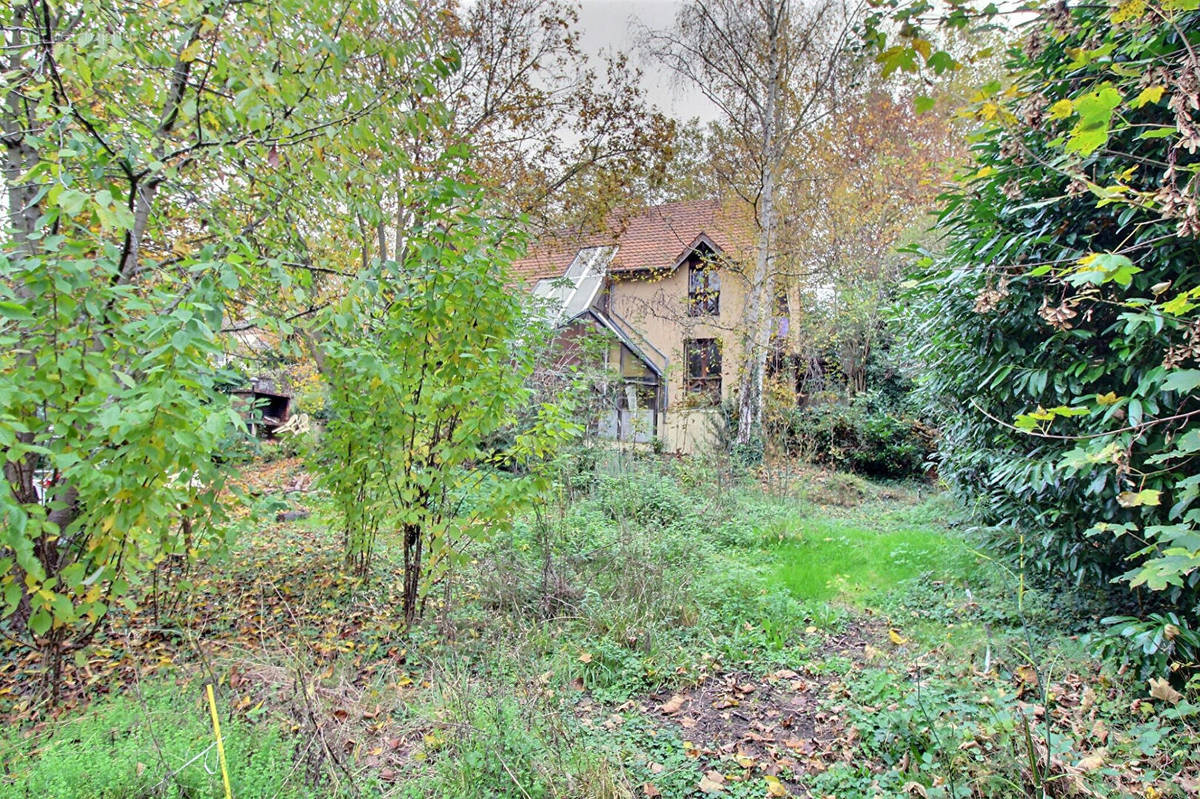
[(654, 239)]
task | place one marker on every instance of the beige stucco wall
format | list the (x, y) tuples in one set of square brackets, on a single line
[(689, 430), (657, 308)]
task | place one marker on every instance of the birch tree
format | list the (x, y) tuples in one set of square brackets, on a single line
[(558, 134), (772, 68)]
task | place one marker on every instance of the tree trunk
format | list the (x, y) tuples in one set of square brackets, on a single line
[(760, 316), (759, 320), (412, 571)]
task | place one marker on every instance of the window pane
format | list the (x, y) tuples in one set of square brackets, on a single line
[(714, 358), (703, 359), (704, 289)]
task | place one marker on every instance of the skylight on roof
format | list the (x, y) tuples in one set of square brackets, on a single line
[(570, 295)]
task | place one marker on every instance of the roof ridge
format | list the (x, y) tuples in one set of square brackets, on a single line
[(650, 238)]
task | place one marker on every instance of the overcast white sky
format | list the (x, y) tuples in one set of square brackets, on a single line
[(611, 25)]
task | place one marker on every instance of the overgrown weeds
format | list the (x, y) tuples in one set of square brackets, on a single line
[(835, 646)]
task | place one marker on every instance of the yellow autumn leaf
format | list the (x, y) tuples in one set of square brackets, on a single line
[(1062, 109), (191, 51), (1148, 95), (1108, 399), (896, 638), (775, 787), (1128, 10), (1134, 499), (1027, 674)]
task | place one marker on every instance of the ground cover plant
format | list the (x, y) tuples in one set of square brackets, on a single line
[(645, 634)]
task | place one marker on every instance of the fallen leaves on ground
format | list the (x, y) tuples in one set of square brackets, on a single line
[(712, 782)]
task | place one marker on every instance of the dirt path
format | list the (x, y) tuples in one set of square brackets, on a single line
[(772, 730)]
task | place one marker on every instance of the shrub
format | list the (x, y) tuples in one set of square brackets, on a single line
[(1059, 324), (860, 437), (644, 498)]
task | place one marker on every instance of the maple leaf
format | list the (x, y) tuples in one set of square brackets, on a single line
[(1161, 689)]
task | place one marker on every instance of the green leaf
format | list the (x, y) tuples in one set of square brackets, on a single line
[(1180, 303), (40, 622), (72, 201), (1184, 380), (1133, 499), (941, 62), (15, 310), (1095, 110), (1100, 268)]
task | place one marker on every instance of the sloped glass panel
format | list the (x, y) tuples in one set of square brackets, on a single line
[(574, 293)]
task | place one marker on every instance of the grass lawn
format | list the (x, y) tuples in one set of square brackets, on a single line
[(851, 562)]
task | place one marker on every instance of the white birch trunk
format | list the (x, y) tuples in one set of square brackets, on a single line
[(759, 315)]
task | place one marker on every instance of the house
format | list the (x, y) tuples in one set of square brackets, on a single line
[(265, 404), (667, 287)]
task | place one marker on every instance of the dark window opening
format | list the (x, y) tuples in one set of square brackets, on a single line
[(704, 287), (783, 314), (778, 361), (703, 359)]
